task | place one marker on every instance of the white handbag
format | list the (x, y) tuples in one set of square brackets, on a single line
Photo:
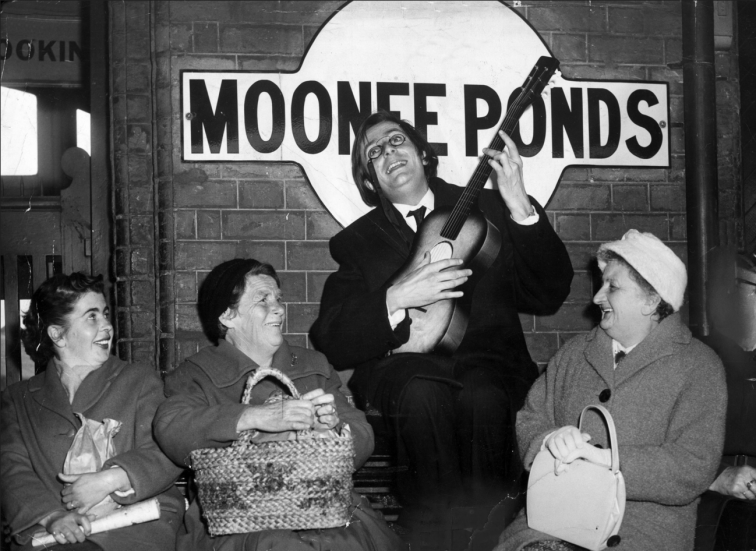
[(583, 505)]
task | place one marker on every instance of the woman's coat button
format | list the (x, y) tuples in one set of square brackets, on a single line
[(605, 395)]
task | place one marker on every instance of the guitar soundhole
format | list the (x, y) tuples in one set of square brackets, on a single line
[(441, 251)]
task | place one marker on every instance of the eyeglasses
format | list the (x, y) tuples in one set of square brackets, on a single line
[(377, 150)]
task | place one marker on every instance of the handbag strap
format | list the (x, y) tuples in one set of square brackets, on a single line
[(612, 432), (259, 375)]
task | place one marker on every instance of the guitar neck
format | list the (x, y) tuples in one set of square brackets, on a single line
[(480, 176)]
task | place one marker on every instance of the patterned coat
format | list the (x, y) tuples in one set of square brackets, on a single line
[(668, 399)]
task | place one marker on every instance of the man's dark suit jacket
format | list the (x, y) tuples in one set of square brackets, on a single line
[(531, 274)]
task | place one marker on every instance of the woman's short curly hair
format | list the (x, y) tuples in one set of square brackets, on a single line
[(360, 171), (664, 308), (50, 305)]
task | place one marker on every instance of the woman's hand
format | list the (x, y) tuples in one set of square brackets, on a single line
[(278, 416), (84, 491), (428, 283), (326, 416), (508, 167), (736, 481), (568, 444), (68, 527)]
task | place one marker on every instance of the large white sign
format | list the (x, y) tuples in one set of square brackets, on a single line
[(451, 69)]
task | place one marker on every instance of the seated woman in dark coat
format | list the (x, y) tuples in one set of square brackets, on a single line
[(67, 327), (241, 311), (665, 390)]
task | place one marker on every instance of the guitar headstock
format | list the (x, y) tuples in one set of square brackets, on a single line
[(539, 77)]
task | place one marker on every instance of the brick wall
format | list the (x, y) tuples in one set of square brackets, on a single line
[(202, 214)]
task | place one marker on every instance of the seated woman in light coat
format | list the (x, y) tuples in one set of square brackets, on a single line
[(665, 390), (241, 310)]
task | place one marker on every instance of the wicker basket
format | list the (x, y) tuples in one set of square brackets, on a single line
[(294, 484)]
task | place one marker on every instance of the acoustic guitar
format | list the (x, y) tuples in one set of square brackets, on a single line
[(463, 232)]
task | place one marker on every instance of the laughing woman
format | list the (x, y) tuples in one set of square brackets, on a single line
[(665, 390), (67, 329)]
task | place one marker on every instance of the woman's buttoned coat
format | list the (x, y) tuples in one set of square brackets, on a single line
[(38, 428), (202, 411), (668, 399)]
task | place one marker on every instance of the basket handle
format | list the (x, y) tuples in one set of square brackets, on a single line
[(612, 432), (259, 375)]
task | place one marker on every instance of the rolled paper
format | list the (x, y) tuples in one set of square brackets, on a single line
[(144, 511)]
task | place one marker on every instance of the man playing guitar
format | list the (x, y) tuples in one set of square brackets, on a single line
[(450, 416)]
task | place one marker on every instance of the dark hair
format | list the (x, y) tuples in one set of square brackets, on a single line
[(51, 303), (663, 309), (360, 171), (223, 288)]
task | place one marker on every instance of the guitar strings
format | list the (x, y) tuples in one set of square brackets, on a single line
[(462, 209)]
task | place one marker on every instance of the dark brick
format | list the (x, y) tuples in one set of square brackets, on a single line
[(676, 172), (204, 62), (582, 255), (581, 290), (607, 174), (262, 171), (181, 37), (677, 139), (542, 346), (143, 352), (527, 322), (321, 225), (625, 20), (566, 18), (301, 317), (296, 340), (213, 193), (574, 227), (142, 230), (142, 324), (668, 198), (672, 50), (272, 252), (570, 317), (664, 21), (208, 224), (195, 10), (300, 195), (622, 49), (186, 286), (580, 197), (630, 197), (309, 255), (608, 227), (187, 318), (263, 225), (186, 347), (574, 174), (673, 76), (266, 63), (185, 224), (137, 77), (138, 137), (261, 195), (141, 261), (139, 108), (206, 37), (676, 113), (203, 255), (602, 72), (315, 283), (293, 286), (678, 227), (569, 47), (564, 337), (260, 39), (143, 295), (194, 176)]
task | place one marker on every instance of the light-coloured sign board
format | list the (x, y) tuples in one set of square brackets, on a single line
[(450, 68)]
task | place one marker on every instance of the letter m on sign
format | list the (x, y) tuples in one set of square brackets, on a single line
[(214, 122)]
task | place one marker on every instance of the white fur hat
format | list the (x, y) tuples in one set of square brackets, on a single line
[(653, 260)]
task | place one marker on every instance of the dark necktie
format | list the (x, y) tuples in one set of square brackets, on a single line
[(618, 356), (418, 215)]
